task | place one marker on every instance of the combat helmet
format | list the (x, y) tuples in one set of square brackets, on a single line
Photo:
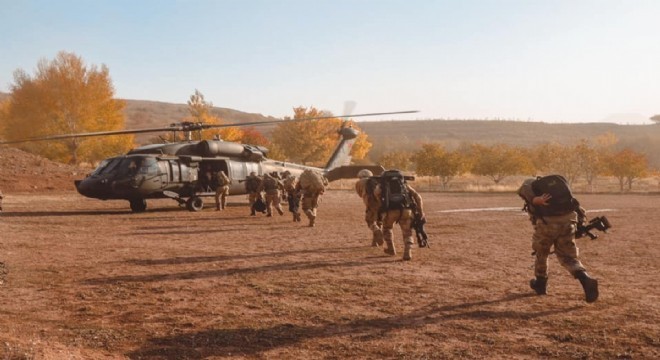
[(364, 173)]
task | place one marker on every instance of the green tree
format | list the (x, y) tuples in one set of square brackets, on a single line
[(66, 97)]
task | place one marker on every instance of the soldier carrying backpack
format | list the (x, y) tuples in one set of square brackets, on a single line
[(399, 202), (555, 214)]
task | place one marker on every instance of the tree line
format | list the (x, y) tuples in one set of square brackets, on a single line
[(589, 159)]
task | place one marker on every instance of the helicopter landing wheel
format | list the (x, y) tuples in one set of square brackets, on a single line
[(138, 205), (195, 203)]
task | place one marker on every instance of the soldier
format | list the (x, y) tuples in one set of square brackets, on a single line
[(252, 184), (311, 185), (292, 195), (271, 185), (397, 199), (554, 213), (372, 205), (222, 190)]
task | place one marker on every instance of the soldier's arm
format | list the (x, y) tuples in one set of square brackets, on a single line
[(417, 199)]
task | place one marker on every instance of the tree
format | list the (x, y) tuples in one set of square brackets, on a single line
[(656, 119), (589, 161), (553, 158), (396, 159), (498, 161), (200, 111), (434, 160), (66, 97), (312, 142), (627, 165)]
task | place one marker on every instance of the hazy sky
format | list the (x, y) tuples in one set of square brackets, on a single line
[(552, 60)]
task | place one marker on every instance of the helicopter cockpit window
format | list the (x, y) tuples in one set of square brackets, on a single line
[(149, 166), (106, 166), (130, 165)]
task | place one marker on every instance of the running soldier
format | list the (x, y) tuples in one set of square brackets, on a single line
[(555, 213), (271, 185), (398, 202), (372, 205), (252, 184), (222, 190), (292, 195), (312, 185)]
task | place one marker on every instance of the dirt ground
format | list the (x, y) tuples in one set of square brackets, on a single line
[(86, 279)]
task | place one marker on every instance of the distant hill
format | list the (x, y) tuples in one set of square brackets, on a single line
[(147, 114), (387, 135)]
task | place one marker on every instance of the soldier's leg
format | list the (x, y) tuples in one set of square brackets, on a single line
[(218, 193), (223, 199), (269, 205), (388, 233), (308, 209), (567, 254), (541, 243), (370, 218), (252, 198), (405, 222), (276, 203)]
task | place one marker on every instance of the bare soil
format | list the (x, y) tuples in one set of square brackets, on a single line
[(86, 279)]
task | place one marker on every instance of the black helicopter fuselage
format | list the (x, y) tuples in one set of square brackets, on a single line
[(178, 170)]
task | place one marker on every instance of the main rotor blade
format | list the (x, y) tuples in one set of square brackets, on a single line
[(89, 134), (187, 126), (256, 123)]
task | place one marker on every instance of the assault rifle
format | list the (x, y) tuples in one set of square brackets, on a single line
[(599, 223), (418, 224)]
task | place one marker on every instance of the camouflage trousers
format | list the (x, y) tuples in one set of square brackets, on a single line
[(221, 196), (310, 202), (404, 217), (374, 223), (273, 201), (557, 231)]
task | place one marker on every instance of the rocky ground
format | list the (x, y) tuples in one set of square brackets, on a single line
[(87, 279)]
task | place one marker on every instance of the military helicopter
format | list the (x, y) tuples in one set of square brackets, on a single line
[(176, 170)]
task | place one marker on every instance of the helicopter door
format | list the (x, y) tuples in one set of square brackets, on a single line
[(175, 174)]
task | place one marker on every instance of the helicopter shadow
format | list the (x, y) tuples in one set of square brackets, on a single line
[(253, 342), (195, 275), (94, 212)]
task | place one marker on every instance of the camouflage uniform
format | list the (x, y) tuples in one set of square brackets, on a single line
[(557, 231), (371, 213), (252, 184), (404, 217), (292, 195), (222, 190), (271, 186), (310, 201)]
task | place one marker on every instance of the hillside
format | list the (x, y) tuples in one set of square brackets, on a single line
[(410, 134), (388, 135)]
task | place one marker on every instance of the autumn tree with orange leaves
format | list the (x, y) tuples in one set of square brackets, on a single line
[(312, 142), (65, 97)]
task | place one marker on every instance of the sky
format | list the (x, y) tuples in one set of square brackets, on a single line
[(530, 60)]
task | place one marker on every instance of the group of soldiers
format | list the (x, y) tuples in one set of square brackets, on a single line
[(265, 193), (554, 227)]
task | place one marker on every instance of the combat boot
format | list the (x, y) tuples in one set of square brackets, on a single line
[(378, 237), (540, 285), (253, 212), (589, 284), (406, 252), (217, 207), (390, 248), (280, 212)]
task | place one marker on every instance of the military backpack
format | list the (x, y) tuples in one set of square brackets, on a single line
[(393, 191)]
